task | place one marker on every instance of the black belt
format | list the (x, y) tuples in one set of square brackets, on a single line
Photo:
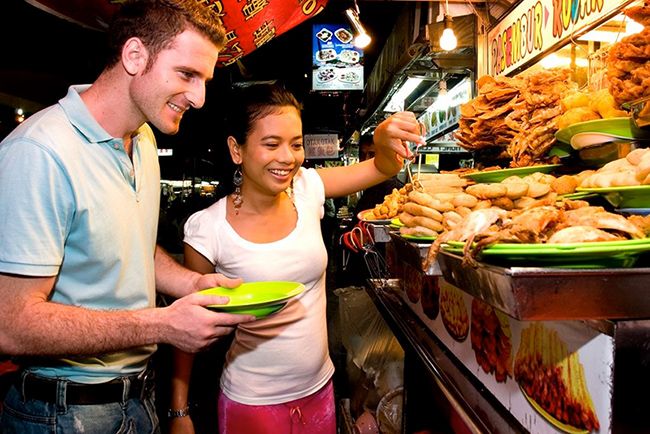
[(43, 389)]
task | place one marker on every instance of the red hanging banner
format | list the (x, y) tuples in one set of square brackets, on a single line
[(249, 24)]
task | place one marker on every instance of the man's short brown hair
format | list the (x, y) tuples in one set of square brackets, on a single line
[(157, 22)]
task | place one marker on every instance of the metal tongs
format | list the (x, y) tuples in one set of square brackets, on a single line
[(416, 183), (360, 239)]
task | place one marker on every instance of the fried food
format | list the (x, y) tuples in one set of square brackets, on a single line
[(410, 220), (515, 190), (418, 231), (582, 234), (575, 115), (503, 203), (464, 200), (575, 100), (628, 66), (565, 184), (537, 189), (420, 210), (428, 201), (487, 191), (537, 120)]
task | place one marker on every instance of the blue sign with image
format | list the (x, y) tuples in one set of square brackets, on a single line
[(336, 63)]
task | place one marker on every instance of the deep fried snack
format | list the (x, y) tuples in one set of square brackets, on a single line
[(503, 203), (426, 200), (575, 115), (580, 177), (421, 210), (525, 202), (635, 156), (451, 219), (418, 231), (643, 168), (464, 199), (516, 190), (463, 210), (538, 189), (487, 191), (575, 100), (565, 184), (433, 189), (445, 197), (483, 204), (411, 220)]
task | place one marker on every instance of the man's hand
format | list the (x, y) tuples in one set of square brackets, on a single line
[(192, 327), (212, 280)]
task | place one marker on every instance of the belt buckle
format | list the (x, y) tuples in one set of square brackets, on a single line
[(147, 379)]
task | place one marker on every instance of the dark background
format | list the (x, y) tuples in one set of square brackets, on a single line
[(43, 54)]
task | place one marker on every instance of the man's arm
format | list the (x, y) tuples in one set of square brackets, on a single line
[(32, 325), (177, 281)]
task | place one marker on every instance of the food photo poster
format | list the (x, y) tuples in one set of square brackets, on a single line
[(337, 63)]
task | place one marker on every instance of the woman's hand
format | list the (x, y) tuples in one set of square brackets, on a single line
[(181, 425), (390, 139)]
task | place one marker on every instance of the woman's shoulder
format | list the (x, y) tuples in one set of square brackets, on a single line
[(211, 215)]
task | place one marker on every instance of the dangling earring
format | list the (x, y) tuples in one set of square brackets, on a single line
[(237, 179), (289, 190)]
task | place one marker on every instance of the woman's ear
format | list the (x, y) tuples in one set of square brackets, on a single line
[(235, 150), (134, 56)]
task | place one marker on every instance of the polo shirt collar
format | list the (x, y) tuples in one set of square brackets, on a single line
[(80, 116)]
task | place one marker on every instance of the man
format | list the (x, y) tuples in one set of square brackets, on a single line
[(79, 265)]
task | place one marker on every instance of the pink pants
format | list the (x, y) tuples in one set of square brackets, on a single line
[(314, 414)]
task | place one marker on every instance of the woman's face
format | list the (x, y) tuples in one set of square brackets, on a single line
[(273, 151)]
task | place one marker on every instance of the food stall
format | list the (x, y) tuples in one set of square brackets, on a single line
[(523, 311)]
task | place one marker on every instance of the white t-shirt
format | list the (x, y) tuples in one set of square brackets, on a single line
[(283, 357)]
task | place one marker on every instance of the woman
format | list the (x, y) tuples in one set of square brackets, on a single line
[(277, 374)]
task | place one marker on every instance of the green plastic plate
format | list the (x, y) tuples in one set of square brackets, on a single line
[(633, 196), (612, 254), (258, 298), (500, 175), (418, 239), (623, 127)]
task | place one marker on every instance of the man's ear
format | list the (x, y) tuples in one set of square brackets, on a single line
[(134, 56), (235, 150)]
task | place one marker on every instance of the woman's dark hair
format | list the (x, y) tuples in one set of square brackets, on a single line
[(157, 22), (252, 102), (248, 104)]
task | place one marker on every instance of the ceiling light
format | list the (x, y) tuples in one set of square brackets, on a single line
[(443, 96), (448, 40), (396, 102), (361, 37)]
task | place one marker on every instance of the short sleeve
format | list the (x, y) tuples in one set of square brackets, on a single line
[(37, 209), (309, 185), (200, 233)]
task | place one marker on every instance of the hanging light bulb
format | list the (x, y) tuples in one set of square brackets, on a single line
[(448, 39), (443, 95), (361, 39)]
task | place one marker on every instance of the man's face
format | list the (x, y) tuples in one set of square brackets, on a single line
[(366, 151), (175, 81)]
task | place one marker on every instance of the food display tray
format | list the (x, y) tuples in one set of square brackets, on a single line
[(530, 293)]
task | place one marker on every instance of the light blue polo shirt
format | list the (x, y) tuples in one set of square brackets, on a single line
[(74, 205)]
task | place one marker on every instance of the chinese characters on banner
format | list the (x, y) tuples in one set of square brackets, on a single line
[(321, 146), (337, 63), (249, 23)]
